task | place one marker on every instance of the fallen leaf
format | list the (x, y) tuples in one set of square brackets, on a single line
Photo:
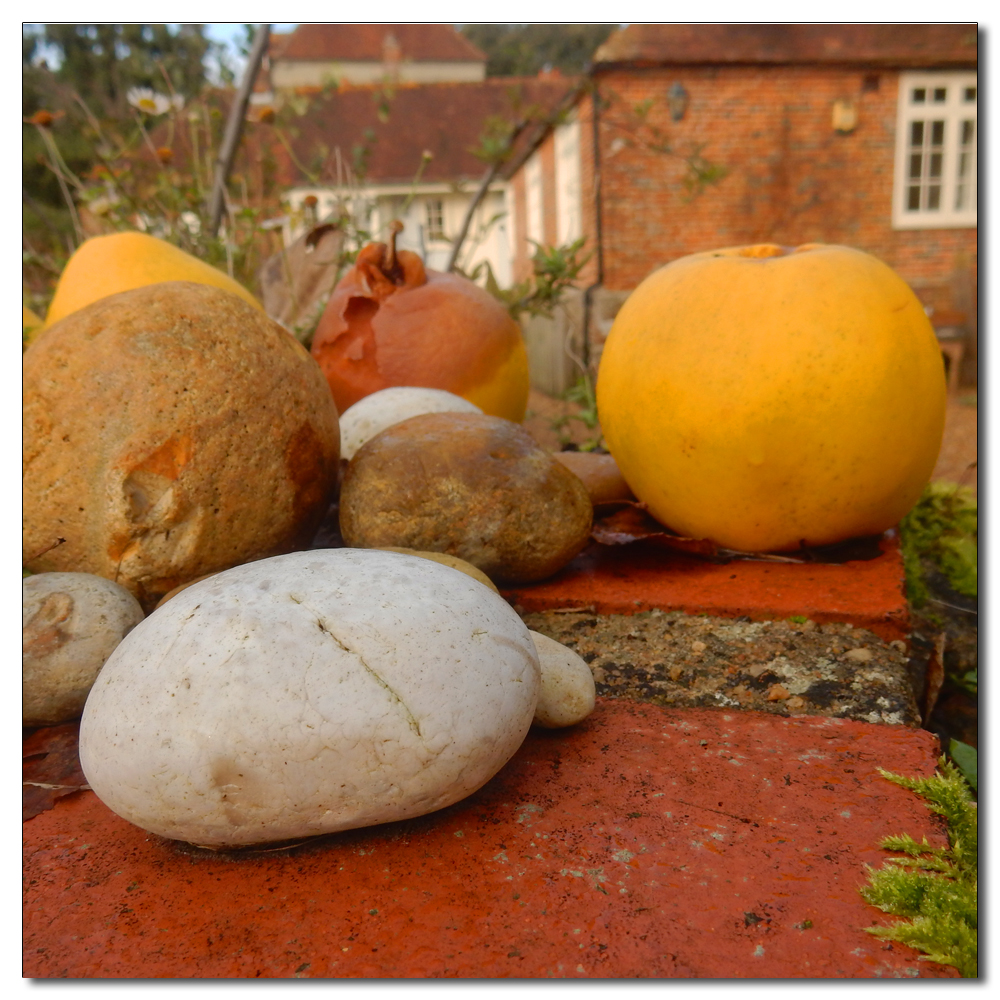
[(622, 522), (50, 768), (631, 523), (935, 676)]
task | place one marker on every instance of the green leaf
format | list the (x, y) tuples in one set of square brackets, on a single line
[(967, 759)]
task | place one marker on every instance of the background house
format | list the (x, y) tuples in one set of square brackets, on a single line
[(409, 153), (314, 55), (699, 136)]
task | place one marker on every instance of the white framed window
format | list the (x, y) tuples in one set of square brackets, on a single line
[(434, 208), (935, 182)]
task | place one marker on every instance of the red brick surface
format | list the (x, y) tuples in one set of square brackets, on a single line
[(625, 579), (645, 842)]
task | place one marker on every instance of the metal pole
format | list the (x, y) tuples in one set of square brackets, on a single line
[(234, 126)]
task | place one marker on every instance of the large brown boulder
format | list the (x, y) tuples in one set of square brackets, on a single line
[(172, 431)]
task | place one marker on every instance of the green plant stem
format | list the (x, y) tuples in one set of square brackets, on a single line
[(54, 159)]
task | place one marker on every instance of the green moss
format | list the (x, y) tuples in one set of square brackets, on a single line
[(934, 889), (941, 533)]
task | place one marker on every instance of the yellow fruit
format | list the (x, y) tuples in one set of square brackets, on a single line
[(106, 265), (768, 397)]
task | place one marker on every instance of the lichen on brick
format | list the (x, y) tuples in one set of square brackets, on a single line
[(782, 667)]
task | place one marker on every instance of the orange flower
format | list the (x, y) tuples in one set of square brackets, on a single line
[(165, 154), (44, 118)]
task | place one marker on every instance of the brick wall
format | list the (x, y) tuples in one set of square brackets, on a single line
[(791, 178)]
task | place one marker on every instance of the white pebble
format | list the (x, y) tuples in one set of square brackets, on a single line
[(567, 693), (375, 412), (71, 623)]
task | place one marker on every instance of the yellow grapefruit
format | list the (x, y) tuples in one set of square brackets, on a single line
[(118, 262), (768, 397)]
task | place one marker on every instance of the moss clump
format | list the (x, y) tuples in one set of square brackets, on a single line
[(941, 533), (935, 889)]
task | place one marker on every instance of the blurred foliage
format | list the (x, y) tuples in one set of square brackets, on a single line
[(96, 160), (583, 392), (554, 270), (644, 127), (936, 890), (524, 49), (101, 62)]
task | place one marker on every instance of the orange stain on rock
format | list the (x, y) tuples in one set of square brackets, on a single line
[(169, 459)]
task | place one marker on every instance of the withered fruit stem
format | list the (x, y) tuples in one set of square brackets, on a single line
[(390, 265)]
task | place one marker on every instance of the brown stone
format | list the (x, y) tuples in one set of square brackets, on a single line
[(599, 473), (169, 432), (471, 485)]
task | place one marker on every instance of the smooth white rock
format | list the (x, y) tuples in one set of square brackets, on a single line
[(373, 413), (308, 693), (70, 624), (567, 694)]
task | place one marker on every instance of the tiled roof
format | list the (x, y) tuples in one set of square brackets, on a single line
[(447, 119), (276, 43), (364, 42), (897, 45)]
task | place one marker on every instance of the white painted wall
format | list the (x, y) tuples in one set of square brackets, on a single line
[(568, 207), (535, 223), (286, 74)]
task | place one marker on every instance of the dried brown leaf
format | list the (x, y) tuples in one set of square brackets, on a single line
[(50, 768)]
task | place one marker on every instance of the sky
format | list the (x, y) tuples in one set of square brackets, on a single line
[(228, 32)]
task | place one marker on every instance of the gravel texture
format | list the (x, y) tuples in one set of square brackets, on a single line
[(782, 667)]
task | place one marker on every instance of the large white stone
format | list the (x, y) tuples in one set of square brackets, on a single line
[(308, 693)]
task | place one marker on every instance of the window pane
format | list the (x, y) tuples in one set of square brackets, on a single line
[(935, 165), (940, 94), (919, 95), (968, 131), (435, 220), (960, 197), (916, 133), (937, 133), (970, 94), (934, 196), (912, 199), (916, 160)]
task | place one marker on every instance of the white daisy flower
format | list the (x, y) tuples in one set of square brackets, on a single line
[(148, 101)]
